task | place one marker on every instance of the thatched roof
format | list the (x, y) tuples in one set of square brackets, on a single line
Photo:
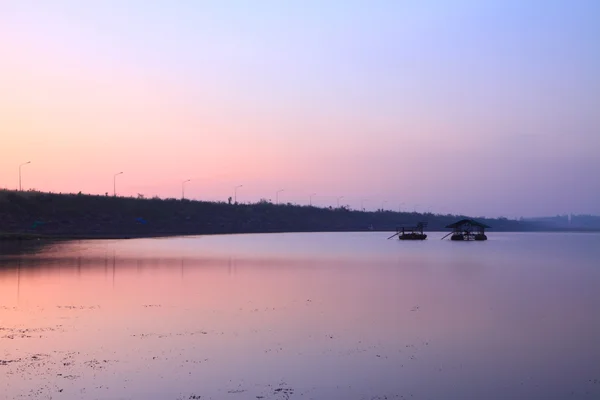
[(471, 222)]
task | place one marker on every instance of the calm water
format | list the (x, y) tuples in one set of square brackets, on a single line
[(303, 316)]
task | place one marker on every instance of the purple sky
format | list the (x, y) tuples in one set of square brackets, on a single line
[(484, 108)]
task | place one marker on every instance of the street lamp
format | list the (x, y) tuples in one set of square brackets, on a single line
[(277, 196), (28, 162), (382, 204), (235, 193), (310, 199), (338, 200), (362, 204), (115, 183), (183, 189)]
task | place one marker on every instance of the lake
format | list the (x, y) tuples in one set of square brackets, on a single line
[(302, 316)]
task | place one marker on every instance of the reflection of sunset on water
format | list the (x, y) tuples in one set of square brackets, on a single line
[(350, 315)]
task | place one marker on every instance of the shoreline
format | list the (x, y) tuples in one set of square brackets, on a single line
[(24, 236), (36, 215)]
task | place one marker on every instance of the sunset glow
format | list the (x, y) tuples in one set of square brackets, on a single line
[(409, 102)]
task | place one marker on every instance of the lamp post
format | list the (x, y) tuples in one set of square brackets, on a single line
[(115, 184), (310, 198), (362, 204), (235, 193), (28, 162), (382, 204), (277, 196), (183, 188), (338, 201)]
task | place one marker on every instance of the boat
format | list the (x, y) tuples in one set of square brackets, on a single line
[(412, 236), (411, 232)]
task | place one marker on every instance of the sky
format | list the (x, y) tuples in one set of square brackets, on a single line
[(484, 108)]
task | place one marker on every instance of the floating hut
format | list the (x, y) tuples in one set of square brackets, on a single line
[(411, 233), (467, 229)]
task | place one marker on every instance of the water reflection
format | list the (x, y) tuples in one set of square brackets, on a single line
[(349, 317), (19, 247)]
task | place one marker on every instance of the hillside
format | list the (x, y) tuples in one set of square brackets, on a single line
[(80, 215)]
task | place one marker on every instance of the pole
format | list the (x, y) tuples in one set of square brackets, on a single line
[(362, 204), (382, 204), (277, 196), (338, 201), (447, 235), (183, 189), (235, 193), (115, 184), (20, 187)]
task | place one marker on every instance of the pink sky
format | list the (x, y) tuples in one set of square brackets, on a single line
[(451, 112)]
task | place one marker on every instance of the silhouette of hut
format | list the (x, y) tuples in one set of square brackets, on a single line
[(468, 229)]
